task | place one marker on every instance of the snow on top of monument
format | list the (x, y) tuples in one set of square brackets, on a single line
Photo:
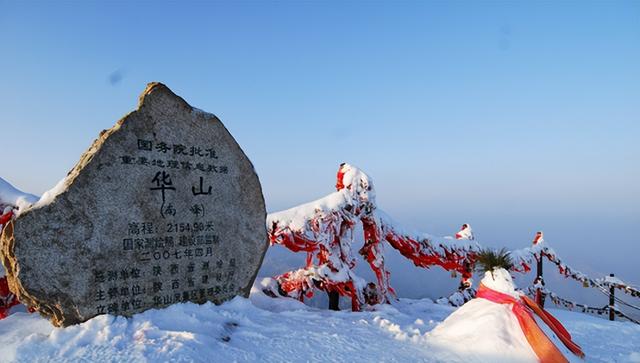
[(48, 196), (13, 197)]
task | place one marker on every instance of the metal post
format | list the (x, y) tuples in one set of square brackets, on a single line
[(539, 280), (334, 300), (612, 301)]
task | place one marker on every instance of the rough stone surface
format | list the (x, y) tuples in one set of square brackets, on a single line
[(163, 208)]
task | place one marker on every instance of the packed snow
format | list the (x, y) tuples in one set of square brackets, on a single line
[(490, 331), (482, 331), (48, 196), (278, 330)]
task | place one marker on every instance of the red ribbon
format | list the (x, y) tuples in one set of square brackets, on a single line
[(6, 217)]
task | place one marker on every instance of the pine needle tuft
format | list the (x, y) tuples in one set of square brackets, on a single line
[(488, 260)]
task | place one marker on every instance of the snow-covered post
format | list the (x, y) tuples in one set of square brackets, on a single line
[(465, 233), (612, 300), (334, 300), (539, 281)]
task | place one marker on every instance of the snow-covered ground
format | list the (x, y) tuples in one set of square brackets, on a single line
[(281, 330)]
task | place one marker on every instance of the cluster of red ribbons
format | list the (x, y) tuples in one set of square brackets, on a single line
[(7, 298), (524, 308)]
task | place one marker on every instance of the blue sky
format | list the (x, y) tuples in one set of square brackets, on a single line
[(510, 116)]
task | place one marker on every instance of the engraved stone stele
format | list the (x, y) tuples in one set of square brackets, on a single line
[(163, 208)]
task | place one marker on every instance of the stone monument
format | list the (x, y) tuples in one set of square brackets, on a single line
[(163, 208)]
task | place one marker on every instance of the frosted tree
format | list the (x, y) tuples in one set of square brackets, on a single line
[(324, 230)]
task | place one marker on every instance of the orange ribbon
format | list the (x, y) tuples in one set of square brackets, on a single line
[(524, 309)]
